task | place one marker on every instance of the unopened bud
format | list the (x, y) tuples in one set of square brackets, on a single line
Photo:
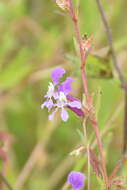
[(87, 43), (78, 150)]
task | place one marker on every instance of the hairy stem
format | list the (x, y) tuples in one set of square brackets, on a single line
[(83, 60)]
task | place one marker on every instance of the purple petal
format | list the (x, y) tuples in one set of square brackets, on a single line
[(75, 104), (44, 104), (51, 116), (48, 103), (66, 86), (56, 95), (76, 179), (72, 98), (64, 115), (78, 112), (56, 74)]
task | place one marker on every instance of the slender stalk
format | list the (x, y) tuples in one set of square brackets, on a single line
[(83, 59), (114, 57), (88, 152)]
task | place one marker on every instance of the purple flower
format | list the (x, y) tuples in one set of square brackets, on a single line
[(57, 73), (57, 95), (76, 179), (66, 86)]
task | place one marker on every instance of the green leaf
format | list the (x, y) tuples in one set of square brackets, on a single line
[(97, 67)]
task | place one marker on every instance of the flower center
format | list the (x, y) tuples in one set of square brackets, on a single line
[(62, 100)]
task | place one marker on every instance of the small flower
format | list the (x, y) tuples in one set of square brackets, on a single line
[(57, 95), (76, 179)]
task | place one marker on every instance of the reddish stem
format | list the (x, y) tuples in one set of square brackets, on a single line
[(93, 121), (3, 156)]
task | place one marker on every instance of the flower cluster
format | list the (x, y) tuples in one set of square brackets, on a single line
[(58, 96), (76, 179)]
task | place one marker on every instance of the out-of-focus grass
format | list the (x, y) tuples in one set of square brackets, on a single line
[(33, 36)]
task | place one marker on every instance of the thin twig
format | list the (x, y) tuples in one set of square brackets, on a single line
[(123, 82), (124, 85), (5, 181), (88, 152)]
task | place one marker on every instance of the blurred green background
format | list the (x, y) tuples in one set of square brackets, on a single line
[(35, 37)]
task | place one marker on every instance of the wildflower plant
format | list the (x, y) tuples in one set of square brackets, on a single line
[(59, 97)]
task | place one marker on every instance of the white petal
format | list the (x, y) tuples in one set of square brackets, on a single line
[(64, 115)]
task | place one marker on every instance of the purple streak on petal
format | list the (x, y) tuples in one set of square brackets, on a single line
[(72, 98), (56, 74), (75, 104), (77, 111), (66, 86), (64, 115), (51, 116), (76, 179)]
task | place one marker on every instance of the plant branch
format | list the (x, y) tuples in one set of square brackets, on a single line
[(109, 37), (93, 121)]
